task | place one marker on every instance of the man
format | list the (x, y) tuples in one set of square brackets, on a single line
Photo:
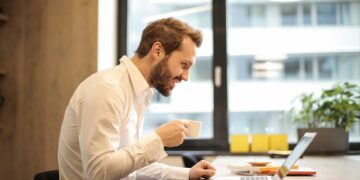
[(100, 136)]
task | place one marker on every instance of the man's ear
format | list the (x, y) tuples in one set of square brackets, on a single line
[(157, 50)]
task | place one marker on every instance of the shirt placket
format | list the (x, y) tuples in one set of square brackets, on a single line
[(143, 102)]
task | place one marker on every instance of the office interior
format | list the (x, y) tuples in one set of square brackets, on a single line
[(256, 58)]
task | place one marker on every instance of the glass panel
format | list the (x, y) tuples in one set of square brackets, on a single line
[(326, 13), (307, 14), (289, 15), (181, 104), (327, 67), (200, 72), (269, 66), (292, 68), (344, 67), (239, 68), (239, 16), (271, 121), (257, 14), (308, 68), (355, 14), (345, 18), (248, 15)]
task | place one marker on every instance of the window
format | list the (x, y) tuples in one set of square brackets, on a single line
[(289, 15), (268, 67), (257, 14), (344, 66), (201, 71), (326, 67), (344, 13), (245, 16), (326, 13), (267, 54), (240, 68), (308, 68), (292, 68), (189, 100), (306, 11)]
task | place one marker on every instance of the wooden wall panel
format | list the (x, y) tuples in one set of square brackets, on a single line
[(56, 48), (11, 55)]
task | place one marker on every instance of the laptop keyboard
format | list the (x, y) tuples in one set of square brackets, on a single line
[(253, 178)]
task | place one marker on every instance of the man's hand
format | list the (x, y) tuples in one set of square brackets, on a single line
[(172, 133), (202, 169)]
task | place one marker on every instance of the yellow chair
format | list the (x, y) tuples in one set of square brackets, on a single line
[(239, 143), (279, 142), (260, 143)]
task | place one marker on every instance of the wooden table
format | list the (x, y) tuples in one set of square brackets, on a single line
[(327, 167)]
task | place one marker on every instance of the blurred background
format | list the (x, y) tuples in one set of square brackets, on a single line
[(276, 50), (265, 52)]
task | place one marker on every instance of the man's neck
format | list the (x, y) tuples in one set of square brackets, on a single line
[(144, 65)]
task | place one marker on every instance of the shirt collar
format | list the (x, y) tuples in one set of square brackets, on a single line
[(138, 81)]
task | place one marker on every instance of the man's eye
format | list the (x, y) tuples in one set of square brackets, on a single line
[(184, 65)]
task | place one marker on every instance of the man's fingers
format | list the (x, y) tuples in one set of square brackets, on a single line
[(208, 173), (183, 128), (185, 123), (207, 165), (181, 124), (202, 169), (207, 169)]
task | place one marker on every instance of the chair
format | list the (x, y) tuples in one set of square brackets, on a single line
[(190, 159), (47, 175)]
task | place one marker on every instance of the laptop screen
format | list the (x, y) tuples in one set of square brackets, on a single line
[(295, 154)]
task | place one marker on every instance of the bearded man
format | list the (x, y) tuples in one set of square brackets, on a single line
[(100, 135)]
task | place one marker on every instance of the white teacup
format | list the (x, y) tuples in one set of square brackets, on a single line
[(194, 128)]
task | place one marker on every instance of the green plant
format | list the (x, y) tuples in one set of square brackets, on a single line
[(335, 107)]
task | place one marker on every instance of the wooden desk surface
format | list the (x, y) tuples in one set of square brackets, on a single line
[(327, 167)]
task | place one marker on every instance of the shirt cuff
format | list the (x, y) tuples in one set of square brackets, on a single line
[(154, 148), (180, 173)]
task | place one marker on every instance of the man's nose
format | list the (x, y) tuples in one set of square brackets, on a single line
[(185, 75)]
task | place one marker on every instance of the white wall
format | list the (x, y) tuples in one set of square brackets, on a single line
[(107, 34)]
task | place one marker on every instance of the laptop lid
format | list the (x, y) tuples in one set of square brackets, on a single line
[(295, 155)]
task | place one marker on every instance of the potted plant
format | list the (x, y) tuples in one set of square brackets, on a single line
[(331, 114)]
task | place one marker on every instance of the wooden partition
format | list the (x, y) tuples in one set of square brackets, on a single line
[(46, 49)]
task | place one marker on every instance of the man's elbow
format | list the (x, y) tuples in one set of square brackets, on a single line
[(107, 170)]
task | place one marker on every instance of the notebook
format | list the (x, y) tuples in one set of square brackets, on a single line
[(288, 163)]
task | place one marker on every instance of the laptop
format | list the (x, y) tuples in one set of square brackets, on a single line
[(288, 163)]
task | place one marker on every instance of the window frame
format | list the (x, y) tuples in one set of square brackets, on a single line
[(220, 141)]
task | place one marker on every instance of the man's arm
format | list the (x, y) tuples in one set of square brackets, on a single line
[(100, 110), (162, 171)]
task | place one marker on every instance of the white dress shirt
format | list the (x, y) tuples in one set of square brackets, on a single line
[(100, 135)]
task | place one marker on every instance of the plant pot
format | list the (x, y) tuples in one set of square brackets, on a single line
[(327, 140)]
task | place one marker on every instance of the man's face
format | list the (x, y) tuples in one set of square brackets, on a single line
[(173, 68)]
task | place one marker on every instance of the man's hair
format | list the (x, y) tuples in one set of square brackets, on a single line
[(170, 32)]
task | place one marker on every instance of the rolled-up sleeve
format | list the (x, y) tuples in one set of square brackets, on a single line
[(99, 138), (156, 171)]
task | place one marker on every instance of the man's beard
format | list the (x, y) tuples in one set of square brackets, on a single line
[(160, 77)]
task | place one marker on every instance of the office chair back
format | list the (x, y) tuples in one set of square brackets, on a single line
[(47, 175), (190, 159)]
